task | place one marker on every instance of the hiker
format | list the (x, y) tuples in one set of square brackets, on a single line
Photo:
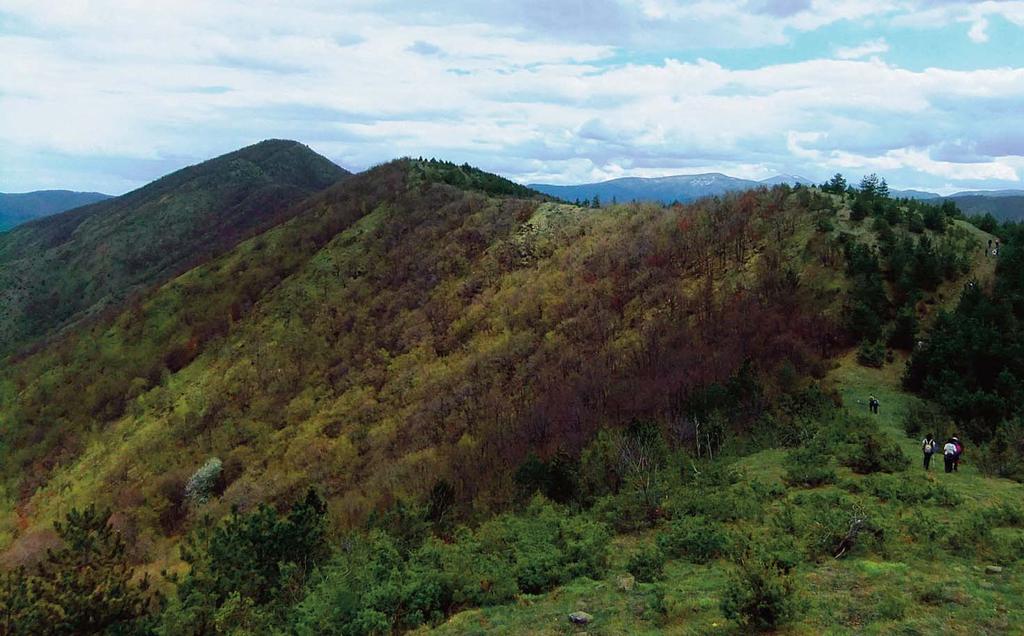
[(928, 446), (873, 405), (959, 451), (989, 252), (997, 247), (948, 455)]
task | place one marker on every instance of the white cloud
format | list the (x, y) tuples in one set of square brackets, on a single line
[(977, 31), (120, 80), (871, 47)]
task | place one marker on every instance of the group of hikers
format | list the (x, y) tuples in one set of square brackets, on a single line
[(952, 450), (994, 251)]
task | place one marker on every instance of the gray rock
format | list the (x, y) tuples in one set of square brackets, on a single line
[(993, 569), (580, 618)]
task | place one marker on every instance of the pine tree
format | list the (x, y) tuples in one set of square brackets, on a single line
[(84, 587)]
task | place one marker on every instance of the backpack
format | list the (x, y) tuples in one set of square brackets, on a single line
[(929, 447)]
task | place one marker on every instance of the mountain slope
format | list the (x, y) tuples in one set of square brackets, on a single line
[(1003, 207), (680, 188), (21, 207), (371, 345), (60, 269), (426, 355)]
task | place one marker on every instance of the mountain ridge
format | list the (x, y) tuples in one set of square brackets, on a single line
[(20, 207), (58, 269), (667, 189)]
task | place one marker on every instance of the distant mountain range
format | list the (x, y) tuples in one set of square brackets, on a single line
[(16, 209), (680, 188), (1003, 204)]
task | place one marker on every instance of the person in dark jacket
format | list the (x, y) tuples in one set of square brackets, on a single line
[(928, 447), (959, 452)]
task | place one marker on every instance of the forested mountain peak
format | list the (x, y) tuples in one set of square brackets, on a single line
[(62, 268)]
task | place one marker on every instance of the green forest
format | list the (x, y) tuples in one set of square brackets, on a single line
[(426, 398)]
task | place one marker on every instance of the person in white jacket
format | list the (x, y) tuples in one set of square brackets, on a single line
[(949, 454)]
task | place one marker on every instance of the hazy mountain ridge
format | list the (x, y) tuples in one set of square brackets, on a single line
[(682, 188), (1003, 204), (18, 208)]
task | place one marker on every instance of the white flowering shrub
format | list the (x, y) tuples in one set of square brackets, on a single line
[(201, 484)]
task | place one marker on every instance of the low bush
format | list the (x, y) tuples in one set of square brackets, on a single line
[(647, 564), (809, 467), (761, 593), (373, 587), (969, 534), (1005, 514), (732, 503), (910, 490), (1003, 455), (697, 539), (925, 527), (871, 353), (834, 526), (873, 453)]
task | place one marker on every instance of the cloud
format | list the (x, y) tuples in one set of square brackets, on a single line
[(781, 8), (537, 90), (871, 47), (977, 32), (425, 48)]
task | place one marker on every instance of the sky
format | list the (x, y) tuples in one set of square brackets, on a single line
[(108, 95)]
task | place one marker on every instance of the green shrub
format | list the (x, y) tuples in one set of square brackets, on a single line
[(938, 594), (874, 452), (85, 586), (1003, 456), (904, 329), (889, 606), (623, 512), (871, 353), (647, 564), (761, 593), (1008, 548), (261, 556), (809, 467), (375, 586), (732, 503), (925, 527), (910, 490), (655, 610), (969, 534), (923, 418), (834, 525), (696, 539), (1005, 514)]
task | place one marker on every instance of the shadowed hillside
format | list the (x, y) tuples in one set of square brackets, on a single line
[(60, 269)]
